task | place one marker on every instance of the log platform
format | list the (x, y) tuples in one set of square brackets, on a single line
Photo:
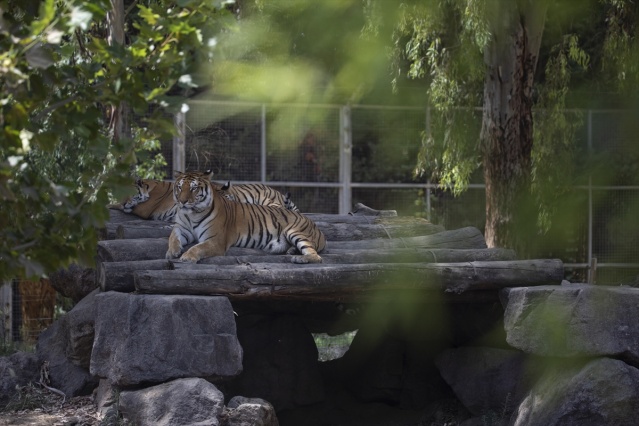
[(369, 254)]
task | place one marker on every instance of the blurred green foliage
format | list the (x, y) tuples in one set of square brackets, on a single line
[(431, 52), (59, 78)]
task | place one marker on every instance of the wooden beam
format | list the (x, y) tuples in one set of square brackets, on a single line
[(315, 282), (333, 231)]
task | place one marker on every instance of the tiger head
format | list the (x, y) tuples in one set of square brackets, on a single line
[(193, 191), (144, 188)]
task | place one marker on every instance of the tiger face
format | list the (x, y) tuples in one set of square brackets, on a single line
[(192, 194), (154, 200)]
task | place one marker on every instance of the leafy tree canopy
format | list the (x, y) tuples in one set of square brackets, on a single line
[(59, 75)]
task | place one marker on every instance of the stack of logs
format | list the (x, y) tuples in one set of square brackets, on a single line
[(368, 253)]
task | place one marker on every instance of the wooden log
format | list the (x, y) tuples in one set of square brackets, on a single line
[(333, 231), (411, 255), (118, 276), (319, 282), (119, 217), (148, 249), (363, 210), (155, 248), (464, 238)]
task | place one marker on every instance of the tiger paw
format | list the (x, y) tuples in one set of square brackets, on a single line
[(307, 258), (189, 257), (172, 254)]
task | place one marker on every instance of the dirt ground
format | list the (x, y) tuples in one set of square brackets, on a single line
[(35, 406)]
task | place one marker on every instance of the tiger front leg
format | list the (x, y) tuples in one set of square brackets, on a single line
[(199, 251), (177, 240)]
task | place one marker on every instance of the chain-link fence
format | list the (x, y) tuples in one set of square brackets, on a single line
[(330, 157)]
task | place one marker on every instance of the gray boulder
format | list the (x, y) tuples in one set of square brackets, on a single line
[(66, 345), (80, 323), (573, 320), (487, 381), (180, 402), (74, 282), (17, 370), (106, 400), (241, 411), (155, 338), (602, 392)]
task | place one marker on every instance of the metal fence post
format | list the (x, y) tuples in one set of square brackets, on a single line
[(427, 192), (179, 144), (6, 312), (263, 145), (345, 159), (591, 271)]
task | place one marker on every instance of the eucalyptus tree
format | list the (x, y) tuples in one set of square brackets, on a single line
[(60, 77), (518, 61), (499, 75)]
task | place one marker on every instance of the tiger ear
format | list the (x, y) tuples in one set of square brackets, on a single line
[(227, 186), (209, 174), (177, 173)]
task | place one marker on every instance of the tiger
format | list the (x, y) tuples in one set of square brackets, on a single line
[(154, 200), (256, 193), (163, 207), (216, 223)]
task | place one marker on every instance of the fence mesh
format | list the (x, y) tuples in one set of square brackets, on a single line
[(303, 145), (303, 149), (224, 139)]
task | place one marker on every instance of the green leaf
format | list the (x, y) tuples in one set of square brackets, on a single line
[(148, 15), (46, 15)]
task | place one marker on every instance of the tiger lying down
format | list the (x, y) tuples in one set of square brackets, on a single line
[(215, 223), (154, 198)]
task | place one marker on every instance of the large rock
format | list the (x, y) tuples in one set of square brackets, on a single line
[(16, 370), (80, 323), (75, 282), (487, 380), (603, 392), (155, 338), (106, 399), (180, 402), (242, 411), (280, 362), (573, 320), (66, 345)]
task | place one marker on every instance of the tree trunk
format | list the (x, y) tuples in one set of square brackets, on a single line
[(507, 123), (119, 126)]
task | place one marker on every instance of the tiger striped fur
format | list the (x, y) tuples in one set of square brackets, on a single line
[(215, 223), (256, 193), (154, 200)]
